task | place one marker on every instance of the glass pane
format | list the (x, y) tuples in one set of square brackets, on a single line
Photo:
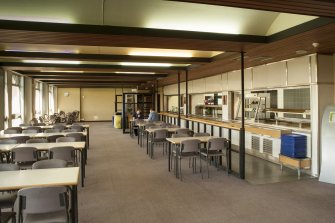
[(16, 80), (38, 106), (16, 106), (51, 101)]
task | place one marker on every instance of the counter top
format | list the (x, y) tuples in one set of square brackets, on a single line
[(273, 131)]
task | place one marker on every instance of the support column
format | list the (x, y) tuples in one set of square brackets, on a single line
[(179, 99), (28, 99), (2, 98), (242, 130), (186, 93)]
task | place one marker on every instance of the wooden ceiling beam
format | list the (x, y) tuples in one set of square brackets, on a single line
[(102, 57), (26, 66), (96, 74)]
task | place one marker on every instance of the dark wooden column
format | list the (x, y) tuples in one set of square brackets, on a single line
[(242, 130)]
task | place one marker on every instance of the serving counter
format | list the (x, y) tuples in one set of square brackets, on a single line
[(261, 140)]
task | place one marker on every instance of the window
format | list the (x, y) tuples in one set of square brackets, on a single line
[(51, 100), (17, 100), (38, 99)]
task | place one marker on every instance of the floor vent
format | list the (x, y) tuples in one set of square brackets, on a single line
[(255, 143), (267, 146)]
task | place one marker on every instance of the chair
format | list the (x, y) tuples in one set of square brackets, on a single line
[(184, 131), (216, 147), (24, 125), (60, 127), (42, 155), (65, 139), (69, 130), (5, 155), (10, 131), (40, 124), (37, 141), (43, 204), (39, 129), (52, 130), (18, 129), (8, 141), (7, 199), (6, 216), (174, 149), (188, 149), (24, 156), (158, 136), (29, 131), (78, 136), (20, 139), (53, 138), (66, 153), (8, 167), (47, 164), (180, 135), (78, 128), (201, 134)]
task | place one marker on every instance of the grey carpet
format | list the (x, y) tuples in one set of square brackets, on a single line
[(123, 185)]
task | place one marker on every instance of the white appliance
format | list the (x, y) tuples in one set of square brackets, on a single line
[(327, 173)]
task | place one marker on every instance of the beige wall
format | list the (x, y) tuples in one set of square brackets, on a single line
[(97, 104), (172, 102), (68, 103)]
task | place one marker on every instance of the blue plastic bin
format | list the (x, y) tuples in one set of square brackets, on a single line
[(294, 145)]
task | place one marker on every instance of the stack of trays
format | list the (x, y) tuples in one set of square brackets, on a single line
[(294, 145)]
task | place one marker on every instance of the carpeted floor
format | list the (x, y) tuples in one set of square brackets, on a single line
[(124, 186)]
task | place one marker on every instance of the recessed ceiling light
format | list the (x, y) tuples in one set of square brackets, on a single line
[(146, 64), (52, 61)]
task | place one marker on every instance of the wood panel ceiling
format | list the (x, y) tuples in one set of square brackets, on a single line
[(258, 49)]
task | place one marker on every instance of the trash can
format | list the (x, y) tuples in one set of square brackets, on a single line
[(118, 120)]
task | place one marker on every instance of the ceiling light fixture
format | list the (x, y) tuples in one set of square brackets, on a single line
[(146, 64), (52, 61), (39, 51), (129, 72), (162, 54), (62, 71)]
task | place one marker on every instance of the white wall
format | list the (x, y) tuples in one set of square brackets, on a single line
[(295, 72)]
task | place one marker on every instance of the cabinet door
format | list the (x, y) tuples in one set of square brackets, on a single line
[(298, 71), (199, 86), (259, 78), (213, 84), (225, 82), (234, 80), (277, 74)]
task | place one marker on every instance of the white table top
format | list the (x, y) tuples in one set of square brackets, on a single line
[(178, 140), (42, 146), (51, 126), (49, 145), (6, 136), (44, 134), (169, 129), (15, 180), (38, 135)]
